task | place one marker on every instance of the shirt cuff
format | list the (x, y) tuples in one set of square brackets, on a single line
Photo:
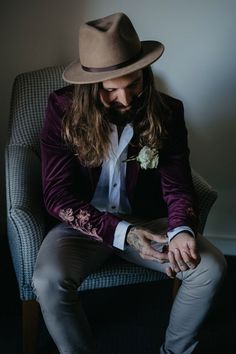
[(120, 234), (171, 234)]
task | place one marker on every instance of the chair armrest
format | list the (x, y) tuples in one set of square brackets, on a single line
[(206, 195), (25, 212)]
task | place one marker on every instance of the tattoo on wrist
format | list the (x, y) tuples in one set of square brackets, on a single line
[(133, 239)]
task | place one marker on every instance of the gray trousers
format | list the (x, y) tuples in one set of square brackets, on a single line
[(66, 257)]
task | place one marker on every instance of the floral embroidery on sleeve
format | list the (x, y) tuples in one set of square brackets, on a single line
[(79, 222), (66, 215)]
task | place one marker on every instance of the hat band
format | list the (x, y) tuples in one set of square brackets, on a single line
[(113, 67)]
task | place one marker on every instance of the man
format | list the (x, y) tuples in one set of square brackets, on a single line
[(115, 169)]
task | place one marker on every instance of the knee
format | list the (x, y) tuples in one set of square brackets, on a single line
[(44, 282), (217, 267), (51, 282), (213, 266)]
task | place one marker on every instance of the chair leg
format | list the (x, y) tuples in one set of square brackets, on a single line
[(30, 319), (176, 285)]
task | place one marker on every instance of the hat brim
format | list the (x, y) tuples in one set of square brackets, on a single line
[(75, 74)]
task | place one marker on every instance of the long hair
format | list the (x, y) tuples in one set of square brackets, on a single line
[(86, 127)]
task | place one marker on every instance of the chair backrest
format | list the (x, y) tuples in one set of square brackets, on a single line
[(29, 100), (26, 217)]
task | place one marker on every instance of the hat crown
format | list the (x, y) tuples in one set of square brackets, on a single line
[(108, 42)]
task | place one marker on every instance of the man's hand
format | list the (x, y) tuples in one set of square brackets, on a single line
[(140, 239), (183, 254)]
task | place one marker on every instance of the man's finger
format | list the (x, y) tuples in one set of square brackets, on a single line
[(191, 263), (156, 255), (155, 237), (188, 260), (173, 263), (171, 274), (151, 258), (180, 261), (193, 250)]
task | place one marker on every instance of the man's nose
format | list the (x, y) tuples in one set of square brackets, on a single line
[(125, 97)]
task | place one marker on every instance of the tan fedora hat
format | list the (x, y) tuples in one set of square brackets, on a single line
[(109, 47)]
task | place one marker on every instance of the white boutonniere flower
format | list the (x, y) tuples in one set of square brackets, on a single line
[(147, 157)]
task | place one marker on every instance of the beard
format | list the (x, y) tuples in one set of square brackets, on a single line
[(117, 114)]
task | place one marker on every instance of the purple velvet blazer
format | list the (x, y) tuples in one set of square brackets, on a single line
[(68, 186)]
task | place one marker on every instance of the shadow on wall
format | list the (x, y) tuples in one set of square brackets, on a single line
[(213, 150), (212, 142)]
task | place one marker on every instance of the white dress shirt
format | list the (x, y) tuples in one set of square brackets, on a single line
[(110, 193)]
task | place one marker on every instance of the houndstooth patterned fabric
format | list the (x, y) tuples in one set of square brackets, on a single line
[(25, 209), (29, 100)]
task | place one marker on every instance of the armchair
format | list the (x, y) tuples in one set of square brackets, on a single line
[(26, 218)]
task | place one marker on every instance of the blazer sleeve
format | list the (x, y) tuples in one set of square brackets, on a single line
[(59, 170), (176, 178)]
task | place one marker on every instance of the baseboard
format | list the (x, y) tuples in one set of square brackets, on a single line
[(227, 245)]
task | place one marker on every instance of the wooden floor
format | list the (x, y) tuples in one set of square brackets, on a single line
[(127, 320)]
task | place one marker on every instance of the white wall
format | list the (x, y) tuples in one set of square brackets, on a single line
[(198, 67)]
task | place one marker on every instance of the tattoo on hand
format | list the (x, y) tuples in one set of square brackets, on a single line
[(133, 239)]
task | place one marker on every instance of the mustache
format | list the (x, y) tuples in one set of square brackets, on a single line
[(138, 102), (114, 113)]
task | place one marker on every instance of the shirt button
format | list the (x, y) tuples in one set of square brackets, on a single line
[(115, 184)]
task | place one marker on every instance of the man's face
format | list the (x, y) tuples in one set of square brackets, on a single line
[(120, 96)]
